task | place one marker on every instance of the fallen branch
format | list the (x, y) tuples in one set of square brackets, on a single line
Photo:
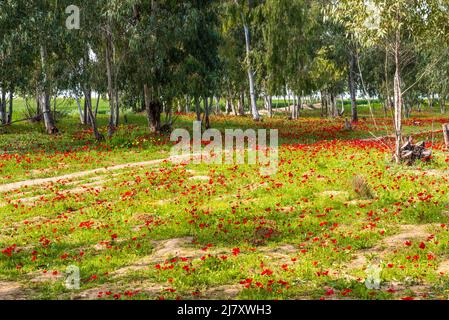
[(411, 152), (35, 118)]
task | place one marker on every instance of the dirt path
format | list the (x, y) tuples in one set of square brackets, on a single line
[(34, 182), (391, 243), (12, 291)]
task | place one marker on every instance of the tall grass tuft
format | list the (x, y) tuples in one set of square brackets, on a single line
[(362, 188)]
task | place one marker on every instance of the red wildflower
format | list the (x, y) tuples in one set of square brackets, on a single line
[(267, 272), (329, 292)]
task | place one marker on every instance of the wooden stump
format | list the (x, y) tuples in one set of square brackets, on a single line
[(446, 135), (411, 152), (348, 125)]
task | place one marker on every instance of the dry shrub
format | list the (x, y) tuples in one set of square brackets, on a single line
[(362, 188)]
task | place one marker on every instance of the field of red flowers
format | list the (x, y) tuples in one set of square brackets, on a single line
[(339, 220)]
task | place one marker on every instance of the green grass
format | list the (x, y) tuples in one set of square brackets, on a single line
[(293, 235)]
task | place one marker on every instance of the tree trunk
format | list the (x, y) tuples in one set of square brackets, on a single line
[(333, 103), (97, 104), (91, 117), (228, 106), (234, 109), (252, 89), (3, 115), (387, 85), (352, 88), (153, 109), (197, 108), (295, 107), (442, 104), (38, 104), (87, 106), (269, 105), (206, 113), (446, 135), (85, 113), (81, 114), (241, 104), (217, 105), (55, 104), (111, 93), (397, 98), (323, 103), (45, 95), (188, 104), (117, 106), (342, 111), (11, 99)]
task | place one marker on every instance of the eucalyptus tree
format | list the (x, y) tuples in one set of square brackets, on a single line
[(241, 12), (40, 27), (437, 78), (436, 47), (329, 66), (201, 66), (287, 29), (377, 73), (231, 51), (17, 55), (82, 49), (45, 23), (388, 22), (166, 53)]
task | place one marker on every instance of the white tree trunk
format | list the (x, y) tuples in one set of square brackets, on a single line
[(397, 100), (77, 99), (252, 89), (45, 96)]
